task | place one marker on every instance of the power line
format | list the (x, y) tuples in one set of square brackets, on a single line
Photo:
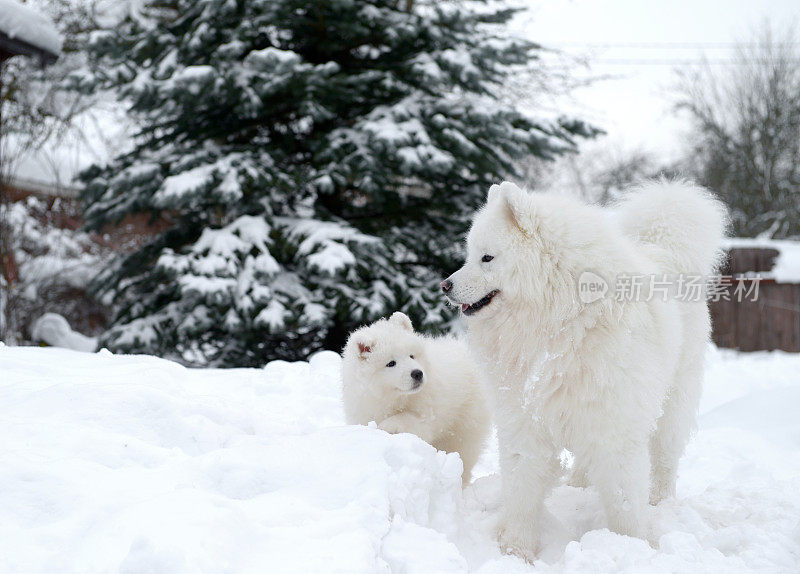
[(670, 45), (674, 62)]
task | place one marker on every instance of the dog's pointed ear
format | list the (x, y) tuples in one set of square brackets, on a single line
[(503, 190), (365, 347), (401, 320), (494, 193), (517, 203)]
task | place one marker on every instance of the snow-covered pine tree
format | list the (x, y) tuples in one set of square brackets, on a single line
[(318, 163)]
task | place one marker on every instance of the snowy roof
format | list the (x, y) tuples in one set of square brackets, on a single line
[(786, 268), (29, 27), (40, 187)]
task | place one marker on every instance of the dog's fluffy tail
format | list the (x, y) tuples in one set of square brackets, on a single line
[(682, 224)]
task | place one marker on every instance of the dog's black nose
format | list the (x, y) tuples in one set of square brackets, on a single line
[(416, 374), (446, 285)]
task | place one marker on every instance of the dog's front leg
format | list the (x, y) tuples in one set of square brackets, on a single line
[(409, 422), (528, 473), (621, 473)]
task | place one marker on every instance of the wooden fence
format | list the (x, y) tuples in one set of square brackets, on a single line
[(771, 321)]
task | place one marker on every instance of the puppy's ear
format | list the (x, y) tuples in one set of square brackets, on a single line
[(401, 320), (497, 191), (494, 193), (365, 347), (518, 205)]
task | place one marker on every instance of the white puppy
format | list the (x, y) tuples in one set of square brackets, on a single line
[(614, 379), (407, 382)]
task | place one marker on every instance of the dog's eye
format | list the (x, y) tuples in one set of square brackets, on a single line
[(411, 356), (486, 258), (391, 363)]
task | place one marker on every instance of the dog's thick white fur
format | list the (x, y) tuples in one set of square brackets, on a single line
[(410, 383), (616, 382)]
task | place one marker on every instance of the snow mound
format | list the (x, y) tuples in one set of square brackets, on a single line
[(134, 464), (54, 329), (20, 22)]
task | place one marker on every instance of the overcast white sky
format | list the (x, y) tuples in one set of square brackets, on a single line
[(635, 106)]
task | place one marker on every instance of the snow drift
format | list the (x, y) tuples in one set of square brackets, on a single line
[(131, 464), (55, 330)]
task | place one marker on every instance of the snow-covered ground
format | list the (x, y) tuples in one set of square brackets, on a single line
[(135, 464)]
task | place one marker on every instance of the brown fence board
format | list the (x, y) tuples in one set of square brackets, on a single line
[(772, 322)]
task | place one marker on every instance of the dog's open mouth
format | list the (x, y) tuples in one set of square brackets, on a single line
[(480, 304)]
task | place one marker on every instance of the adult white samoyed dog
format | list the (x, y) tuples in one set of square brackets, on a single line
[(407, 382), (614, 379)]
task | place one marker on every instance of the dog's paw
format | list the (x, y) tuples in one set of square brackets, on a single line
[(660, 491), (390, 425), (520, 542)]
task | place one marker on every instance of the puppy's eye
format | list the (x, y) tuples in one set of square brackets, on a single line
[(411, 356), (391, 363), (486, 258)]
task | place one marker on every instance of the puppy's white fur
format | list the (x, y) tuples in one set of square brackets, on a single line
[(447, 410), (615, 382)]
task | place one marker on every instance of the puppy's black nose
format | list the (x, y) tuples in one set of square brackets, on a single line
[(416, 374), (446, 285)]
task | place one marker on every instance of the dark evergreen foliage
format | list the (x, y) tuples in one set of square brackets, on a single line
[(318, 163)]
